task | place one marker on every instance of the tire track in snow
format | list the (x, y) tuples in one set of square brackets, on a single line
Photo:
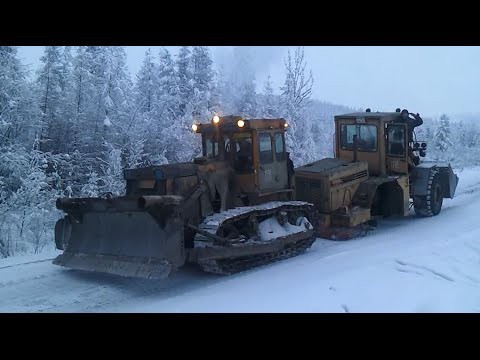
[(421, 267), (409, 271)]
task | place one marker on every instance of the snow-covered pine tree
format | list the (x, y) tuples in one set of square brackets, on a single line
[(442, 140), (18, 112), (83, 93), (28, 210), (169, 89), (68, 121), (241, 89), (460, 134), (428, 134), (109, 110), (217, 105), (203, 75), (247, 100), (184, 67), (296, 94), (170, 128), (51, 98), (146, 86), (224, 93), (144, 122), (196, 107), (269, 105)]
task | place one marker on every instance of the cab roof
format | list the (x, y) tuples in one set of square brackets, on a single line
[(382, 116), (230, 124)]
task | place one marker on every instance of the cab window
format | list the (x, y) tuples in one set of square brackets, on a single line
[(243, 150), (227, 143), (265, 148), (366, 137), (279, 147), (396, 141), (211, 148)]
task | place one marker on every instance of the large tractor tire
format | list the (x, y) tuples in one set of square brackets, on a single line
[(430, 205)]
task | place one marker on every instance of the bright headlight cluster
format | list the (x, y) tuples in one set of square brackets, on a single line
[(195, 127), (241, 123), (216, 119)]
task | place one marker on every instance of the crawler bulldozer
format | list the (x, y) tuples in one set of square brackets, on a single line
[(227, 211), (376, 172)]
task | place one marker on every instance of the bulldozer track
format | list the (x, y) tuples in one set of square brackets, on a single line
[(228, 266), (214, 223), (236, 265)]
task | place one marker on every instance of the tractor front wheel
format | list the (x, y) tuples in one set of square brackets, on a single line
[(431, 204)]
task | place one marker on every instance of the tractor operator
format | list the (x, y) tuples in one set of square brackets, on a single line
[(411, 125), (244, 155)]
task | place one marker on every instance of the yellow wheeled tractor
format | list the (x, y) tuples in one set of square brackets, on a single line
[(227, 211), (376, 172)]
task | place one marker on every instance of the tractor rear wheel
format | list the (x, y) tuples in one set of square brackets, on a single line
[(431, 204)]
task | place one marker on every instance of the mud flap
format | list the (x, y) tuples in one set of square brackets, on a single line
[(421, 175), (453, 182), (146, 244)]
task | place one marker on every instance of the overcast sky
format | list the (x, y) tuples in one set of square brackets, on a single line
[(427, 80)]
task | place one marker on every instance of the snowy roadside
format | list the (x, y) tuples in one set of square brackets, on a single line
[(30, 258), (406, 265)]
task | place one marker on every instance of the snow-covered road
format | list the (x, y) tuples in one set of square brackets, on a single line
[(406, 265)]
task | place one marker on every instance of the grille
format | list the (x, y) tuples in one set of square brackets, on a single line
[(350, 178)]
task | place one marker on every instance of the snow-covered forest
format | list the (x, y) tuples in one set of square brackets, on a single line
[(70, 127)]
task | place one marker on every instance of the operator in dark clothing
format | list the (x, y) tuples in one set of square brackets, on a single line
[(411, 125), (244, 155)]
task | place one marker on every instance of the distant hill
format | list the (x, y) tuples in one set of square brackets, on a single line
[(466, 117)]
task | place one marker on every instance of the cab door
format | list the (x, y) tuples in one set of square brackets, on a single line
[(280, 175), (266, 160), (397, 151)]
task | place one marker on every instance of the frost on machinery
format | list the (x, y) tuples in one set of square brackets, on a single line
[(377, 171), (243, 205), (229, 210)]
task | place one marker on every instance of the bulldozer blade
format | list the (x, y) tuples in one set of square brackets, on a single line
[(116, 265), (122, 239)]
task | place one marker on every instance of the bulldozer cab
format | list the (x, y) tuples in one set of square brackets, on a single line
[(254, 148), (375, 138)]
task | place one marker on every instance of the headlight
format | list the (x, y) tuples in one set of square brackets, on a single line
[(285, 125), (241, 123), (216, 119), (195, 127)]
